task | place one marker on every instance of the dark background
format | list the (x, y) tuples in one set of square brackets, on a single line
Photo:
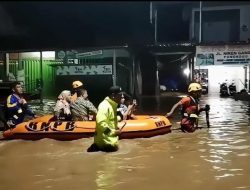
[(86, 24)]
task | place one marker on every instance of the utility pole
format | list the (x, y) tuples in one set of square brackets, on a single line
[(7, 64), (153, 15), (41, 77), (155, 26), (114, 67), (200, 27)]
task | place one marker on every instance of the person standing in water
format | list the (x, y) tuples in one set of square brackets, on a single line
[(107, 132), (190, 108)]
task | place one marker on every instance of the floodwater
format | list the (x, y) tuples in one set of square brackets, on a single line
[(214, 158)]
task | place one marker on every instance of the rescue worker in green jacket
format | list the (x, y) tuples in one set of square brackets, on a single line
[(107, 132)]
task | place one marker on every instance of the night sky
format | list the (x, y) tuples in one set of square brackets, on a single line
[(86, 24)]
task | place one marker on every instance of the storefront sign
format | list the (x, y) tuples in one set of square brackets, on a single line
[(84, 70), (74, 54), (222, 55), (87, 54)]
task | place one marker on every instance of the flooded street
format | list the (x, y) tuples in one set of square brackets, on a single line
[(210, 158)]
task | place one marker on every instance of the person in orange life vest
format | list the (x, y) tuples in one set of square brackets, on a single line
[(17, 106), (190, 108), (76, 85)]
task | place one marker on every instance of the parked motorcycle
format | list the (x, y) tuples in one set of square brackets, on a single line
[(232, 89), (224, 89), (204, 88)]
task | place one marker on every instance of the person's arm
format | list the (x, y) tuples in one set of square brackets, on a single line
[(57, 109), (29, 111), (173, 109), (205, 108), (129, 111), (12, 104), (26, 108), (102, 121), (91, 107)]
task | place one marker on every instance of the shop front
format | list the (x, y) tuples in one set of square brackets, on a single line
[(228, 64)]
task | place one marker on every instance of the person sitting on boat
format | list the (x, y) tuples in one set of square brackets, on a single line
[(17, 106), (107, 132), (76, 85), (82, 108), (125, 112), (190, 108), (62, 108)]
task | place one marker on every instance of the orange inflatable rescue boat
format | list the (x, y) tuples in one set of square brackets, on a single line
[(43, 127)]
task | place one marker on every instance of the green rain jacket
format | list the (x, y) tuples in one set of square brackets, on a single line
[(106, 124)]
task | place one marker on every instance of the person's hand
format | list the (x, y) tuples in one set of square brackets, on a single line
[(131, 106), (125, 116), (22, 101), (91, 117), (168, 114), (85, 118), (207, 107), (118, 131)]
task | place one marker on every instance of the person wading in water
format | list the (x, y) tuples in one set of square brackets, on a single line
[(107, 132), (190, 108)]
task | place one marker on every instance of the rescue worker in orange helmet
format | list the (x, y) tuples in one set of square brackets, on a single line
[(190, 108), (76, 85)]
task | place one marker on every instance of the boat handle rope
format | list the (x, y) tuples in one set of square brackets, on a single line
[(69, 129), (64, 130)]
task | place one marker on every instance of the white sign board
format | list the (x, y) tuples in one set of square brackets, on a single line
[(222, 55), (87, 54), (84, 70)]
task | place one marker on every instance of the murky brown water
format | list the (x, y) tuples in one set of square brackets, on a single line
[(215, 158)]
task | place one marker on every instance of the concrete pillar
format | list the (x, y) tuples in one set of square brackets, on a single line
[(7, 63), (41, 76), (114, 67)]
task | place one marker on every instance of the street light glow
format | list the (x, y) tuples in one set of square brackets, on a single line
[(186, 71)]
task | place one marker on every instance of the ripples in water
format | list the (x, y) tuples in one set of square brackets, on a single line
[(214, 158)]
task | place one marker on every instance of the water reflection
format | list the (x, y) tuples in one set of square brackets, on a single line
[(228, 139), (107, 173)]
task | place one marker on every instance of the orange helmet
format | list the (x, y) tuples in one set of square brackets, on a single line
[(77, 84)]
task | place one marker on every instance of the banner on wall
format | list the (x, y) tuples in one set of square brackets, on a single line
[(74, 54), (222, 55), (84, 70)]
